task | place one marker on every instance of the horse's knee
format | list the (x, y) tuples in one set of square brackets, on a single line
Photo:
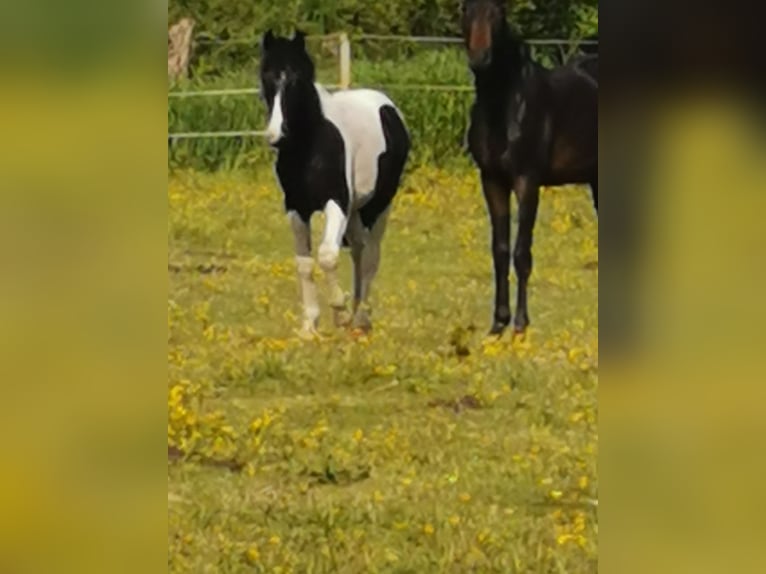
[(305, 266), (328, 257), (522, 261), (501, 250)]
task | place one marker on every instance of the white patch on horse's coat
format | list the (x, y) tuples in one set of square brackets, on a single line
[(274, 129), (329, 249), (334, 227), (356, 114)]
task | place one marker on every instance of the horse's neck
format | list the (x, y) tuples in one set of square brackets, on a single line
[(304, 126)]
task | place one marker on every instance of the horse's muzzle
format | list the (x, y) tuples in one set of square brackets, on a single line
[(480, 59), (275, 138)]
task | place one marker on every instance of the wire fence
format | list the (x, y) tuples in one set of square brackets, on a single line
[(363, 60)]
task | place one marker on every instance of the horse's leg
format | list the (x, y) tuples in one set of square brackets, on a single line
[(498, 197), (332, 240), (528, 193), (305, 264), (370, 263), (356, 235)]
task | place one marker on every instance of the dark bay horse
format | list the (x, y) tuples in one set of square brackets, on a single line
[(530, 126)]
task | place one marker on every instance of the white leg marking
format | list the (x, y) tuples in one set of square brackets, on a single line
[(305, 265), (335, 227), (276, 121)]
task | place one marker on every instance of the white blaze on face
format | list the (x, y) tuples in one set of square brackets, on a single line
[(276, 121)]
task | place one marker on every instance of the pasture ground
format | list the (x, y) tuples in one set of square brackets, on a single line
[(422, 448)]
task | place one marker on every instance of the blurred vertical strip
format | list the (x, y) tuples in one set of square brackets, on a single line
[(681, 292), (83, 217)]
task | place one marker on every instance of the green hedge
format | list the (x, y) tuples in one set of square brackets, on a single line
[(226, 55), (436, 116), (247, 19)]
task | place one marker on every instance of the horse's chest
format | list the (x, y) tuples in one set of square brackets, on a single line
[(488, 143), (489, 146), (310, 181)]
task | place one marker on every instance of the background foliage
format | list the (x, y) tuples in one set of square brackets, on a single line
[(226, 53), (243, 18)]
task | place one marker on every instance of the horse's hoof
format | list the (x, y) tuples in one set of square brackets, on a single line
[(307, 333), (357, 333), (342, 318), (497, 329), (362, 322)]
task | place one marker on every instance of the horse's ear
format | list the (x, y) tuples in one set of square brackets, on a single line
[(300, 38), (268, 39)]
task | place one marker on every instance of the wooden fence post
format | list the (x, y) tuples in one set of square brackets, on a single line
[(345, 61), (179, 48)]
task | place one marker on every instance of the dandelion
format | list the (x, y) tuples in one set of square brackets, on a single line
[(275, 540), (562, 539), (583, 482), (556, 494), (464, 497), (454, 520), (253, 555), (428, 529)]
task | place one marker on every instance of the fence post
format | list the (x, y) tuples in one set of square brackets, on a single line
[(345, 61)]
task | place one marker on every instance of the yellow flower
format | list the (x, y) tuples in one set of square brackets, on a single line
[(274, 540), (428, 529), (358, 435), (464, 497), (385, 371), (563, 538), (556, 494), (583, 482), (253, 554), (454, 520)]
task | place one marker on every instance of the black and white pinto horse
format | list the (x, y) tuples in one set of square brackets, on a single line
[(530, 126), (342, 153)]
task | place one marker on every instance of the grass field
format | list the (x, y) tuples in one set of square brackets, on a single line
[(424, 447)]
